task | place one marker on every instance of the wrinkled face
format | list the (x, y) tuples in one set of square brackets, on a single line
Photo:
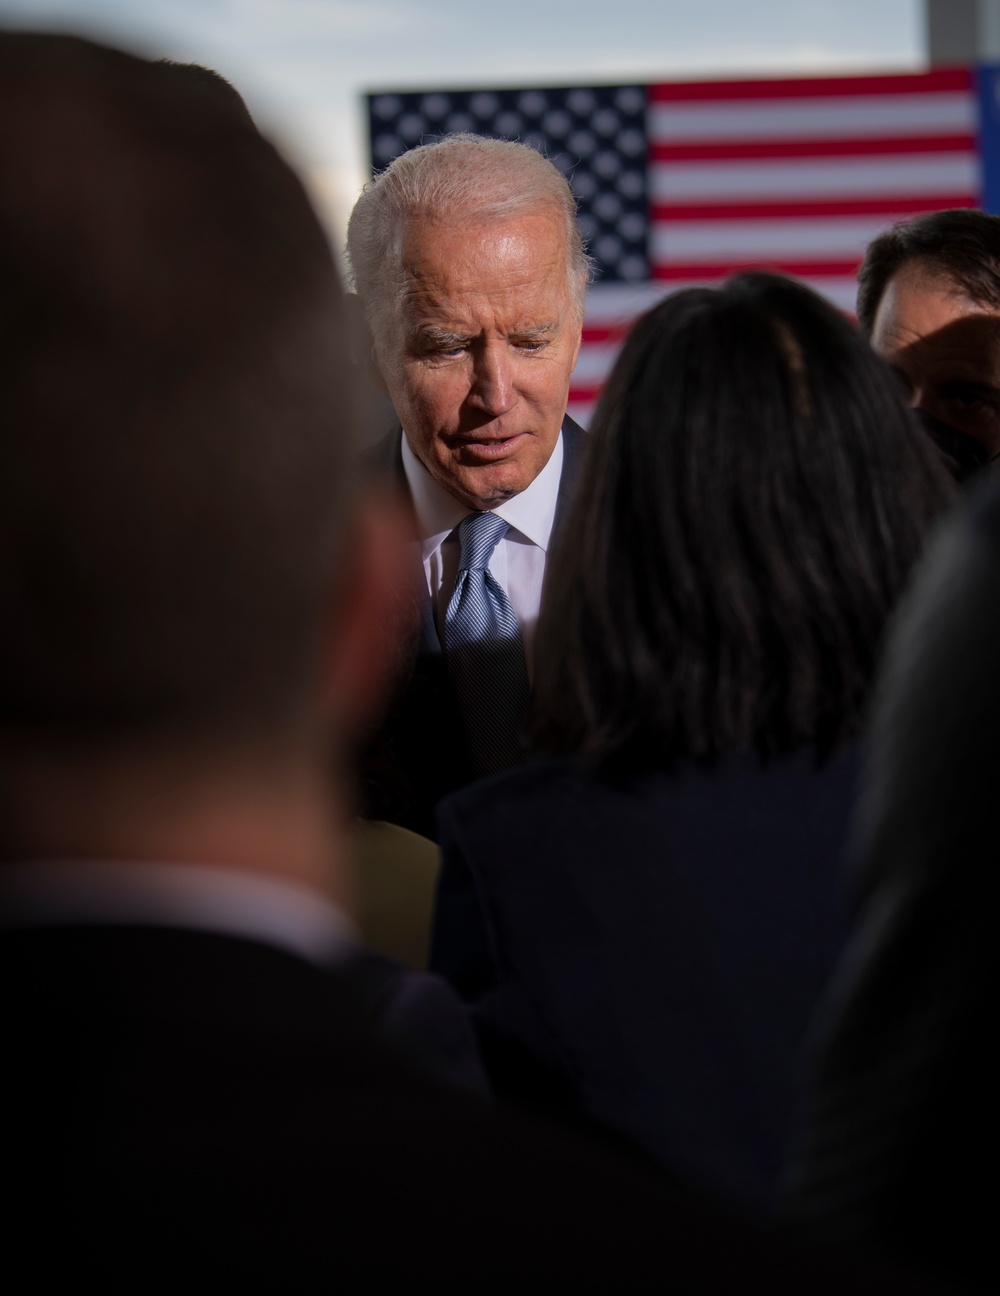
[(945, 348), (478, 350)]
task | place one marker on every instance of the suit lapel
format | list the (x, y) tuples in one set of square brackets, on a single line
[(573, 436)]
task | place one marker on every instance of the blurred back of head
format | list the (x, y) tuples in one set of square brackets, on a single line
[(175, 409), (753, 497), (205, 85)]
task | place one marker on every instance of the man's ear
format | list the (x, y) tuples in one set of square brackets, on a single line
[(375, 614), (576, 350), (362, 342)]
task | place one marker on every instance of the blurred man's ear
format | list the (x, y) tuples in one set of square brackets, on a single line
[(376, 614), (362, 342)]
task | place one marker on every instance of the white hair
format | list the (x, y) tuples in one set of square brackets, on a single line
[(461, 175)]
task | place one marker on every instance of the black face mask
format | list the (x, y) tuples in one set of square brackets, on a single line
[(962, 454)]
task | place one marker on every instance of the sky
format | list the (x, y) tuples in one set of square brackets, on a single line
[(303, 65)]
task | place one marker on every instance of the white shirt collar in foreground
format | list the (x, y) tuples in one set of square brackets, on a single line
[(196, 897), (532, 512)]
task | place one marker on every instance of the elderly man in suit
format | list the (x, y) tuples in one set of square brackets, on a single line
[(470, 274)]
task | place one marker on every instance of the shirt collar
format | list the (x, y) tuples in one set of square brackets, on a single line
[(191, 896), (531, 512)]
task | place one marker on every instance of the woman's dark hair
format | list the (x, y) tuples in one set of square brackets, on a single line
[(962, 243), (753, 495)]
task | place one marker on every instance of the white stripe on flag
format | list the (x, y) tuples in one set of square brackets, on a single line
[(824, 238), (609, 303), (867, 117), (581, 411), (594, 364), (913, 175)]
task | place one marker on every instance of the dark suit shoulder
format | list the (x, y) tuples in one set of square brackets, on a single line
[(572, 799), (262, 1157), (523, 784), (573, 434), (419, 1017), (648, 949)]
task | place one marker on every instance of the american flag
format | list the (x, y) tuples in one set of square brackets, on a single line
[(684, 183)]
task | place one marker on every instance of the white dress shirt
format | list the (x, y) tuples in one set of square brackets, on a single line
[(518, 561), (196, 897)]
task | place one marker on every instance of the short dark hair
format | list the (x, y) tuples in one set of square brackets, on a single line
[(753, 496), (206, 83), (962, 243), (176, 428)]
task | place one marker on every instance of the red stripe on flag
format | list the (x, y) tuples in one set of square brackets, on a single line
[(894, 205), (939, 81), (581, 395), (595, 333), (713, 270), (737, 150)]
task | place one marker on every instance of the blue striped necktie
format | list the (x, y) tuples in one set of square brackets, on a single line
[(485, 654)]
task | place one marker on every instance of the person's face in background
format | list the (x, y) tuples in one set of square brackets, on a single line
[(944, 348)]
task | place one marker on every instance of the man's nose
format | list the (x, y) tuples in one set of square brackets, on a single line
[(493, 389)]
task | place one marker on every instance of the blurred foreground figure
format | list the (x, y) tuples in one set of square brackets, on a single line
[(174, 483), (646, 923), (899, 1143), (193, 1091), (929, 301)]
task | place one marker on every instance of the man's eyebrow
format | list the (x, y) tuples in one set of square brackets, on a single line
[(436, 336), (536, 330)]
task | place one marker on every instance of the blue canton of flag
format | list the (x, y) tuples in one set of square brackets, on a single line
[(596, 137)]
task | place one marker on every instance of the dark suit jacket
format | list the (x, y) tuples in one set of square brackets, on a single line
[(900, 1136), (191, 1112), (646, 954), (421, 751)]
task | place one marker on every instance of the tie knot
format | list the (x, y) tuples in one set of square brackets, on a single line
[(479, 534)]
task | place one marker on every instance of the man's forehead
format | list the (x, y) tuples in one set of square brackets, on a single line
[(968, 345), (921, 278), (466, 244), (520, 272), (921, 300)]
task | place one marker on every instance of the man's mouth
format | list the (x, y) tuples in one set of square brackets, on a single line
[(479, 447)]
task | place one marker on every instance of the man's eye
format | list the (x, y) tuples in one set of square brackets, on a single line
[(969, 398)]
